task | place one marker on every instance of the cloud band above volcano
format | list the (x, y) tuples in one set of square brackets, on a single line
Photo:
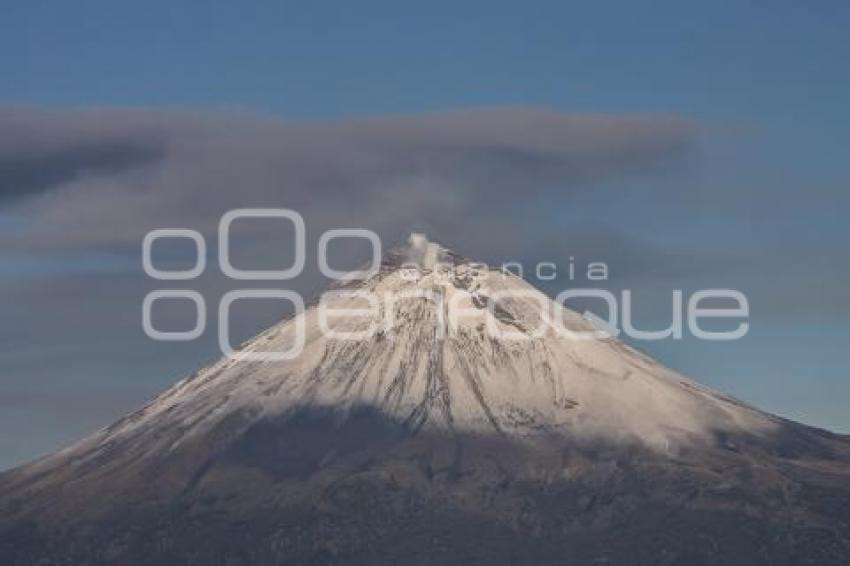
[(103, 178)]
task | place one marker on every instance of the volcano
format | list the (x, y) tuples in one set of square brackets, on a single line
[(458, 428)]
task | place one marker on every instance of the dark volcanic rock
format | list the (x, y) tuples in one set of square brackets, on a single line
[(314, 489)]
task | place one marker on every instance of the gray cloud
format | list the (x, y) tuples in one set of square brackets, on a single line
[(24, 176), (102, 179), (45, 150)]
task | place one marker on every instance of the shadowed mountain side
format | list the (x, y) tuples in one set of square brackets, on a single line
[(318, 487)]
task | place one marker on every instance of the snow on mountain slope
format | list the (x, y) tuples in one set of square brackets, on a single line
[(454, 346)]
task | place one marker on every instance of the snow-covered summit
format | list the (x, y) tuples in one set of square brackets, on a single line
[(444, 343)]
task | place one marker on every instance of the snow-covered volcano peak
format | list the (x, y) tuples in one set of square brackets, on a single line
[(453, 401), (461, 348)]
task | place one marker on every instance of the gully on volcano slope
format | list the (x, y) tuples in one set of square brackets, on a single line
[(461, 415)]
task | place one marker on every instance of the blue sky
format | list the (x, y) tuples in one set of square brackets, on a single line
[(729, 60), (765, 183)]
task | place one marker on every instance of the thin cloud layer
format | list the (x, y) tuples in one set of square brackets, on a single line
[(101, 179)]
